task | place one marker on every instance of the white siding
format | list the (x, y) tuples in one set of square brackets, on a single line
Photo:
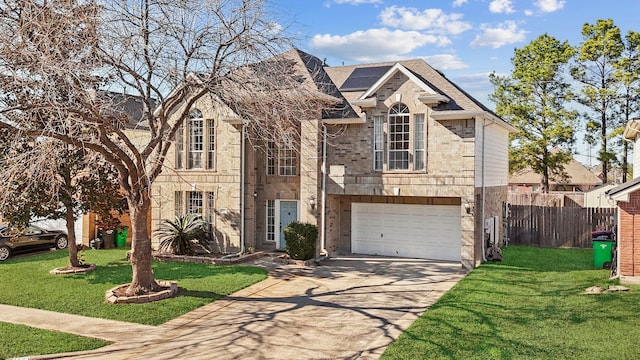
[(496, 172), (636, 157)]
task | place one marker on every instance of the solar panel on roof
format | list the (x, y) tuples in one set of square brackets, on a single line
[(362, 78)]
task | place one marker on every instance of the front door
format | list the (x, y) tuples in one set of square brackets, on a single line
[(288, 214)]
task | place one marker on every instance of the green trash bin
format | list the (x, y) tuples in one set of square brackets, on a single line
[(121, 236), (602, 253)]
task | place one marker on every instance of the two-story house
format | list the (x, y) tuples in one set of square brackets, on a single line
[(411, 166)]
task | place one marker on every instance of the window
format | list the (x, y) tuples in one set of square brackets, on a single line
[(196, 139), (271, 158), (179, 147), (405, 142), (418, 142), (271, 220), (399, 123), (211, 150), (286, 159), (194, 202), (179, 203), (378, 142), (193, 138)]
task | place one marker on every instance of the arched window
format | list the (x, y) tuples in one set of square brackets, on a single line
[(399, 137), (196, 139)]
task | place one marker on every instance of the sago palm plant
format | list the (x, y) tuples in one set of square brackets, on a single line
[(182, 235)]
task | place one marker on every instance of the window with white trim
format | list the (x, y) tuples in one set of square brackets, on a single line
[(399, 125), (211, 149), (179, 203), (271, 158), (418, 142), (180, 147), (271, 220), (194, 202), (196, 139), (283, 159), (405, 140), (378, 143), (287, 164), (210, 210)]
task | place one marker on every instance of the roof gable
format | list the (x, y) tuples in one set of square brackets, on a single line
[(390, 73)]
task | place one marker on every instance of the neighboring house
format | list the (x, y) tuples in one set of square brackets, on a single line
[(627, 196), (576, 178), (410, 167), (137, 130), (598, 197)]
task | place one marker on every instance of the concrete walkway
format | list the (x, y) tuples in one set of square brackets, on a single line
[(349, 308)]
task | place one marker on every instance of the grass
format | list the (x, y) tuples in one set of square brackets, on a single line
[(20, 341), (527, 307), (26, 282)]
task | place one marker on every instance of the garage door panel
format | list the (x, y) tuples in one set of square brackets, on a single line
[(421, 231)]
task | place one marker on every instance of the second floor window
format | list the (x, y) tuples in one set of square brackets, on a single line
[(399, 124), (281, 160), (405, 140), (196, 139), (192, 139)]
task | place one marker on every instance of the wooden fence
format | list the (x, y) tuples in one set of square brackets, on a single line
[(557, 226)]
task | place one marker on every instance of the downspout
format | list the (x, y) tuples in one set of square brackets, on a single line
[(242, 188), (323, 168)]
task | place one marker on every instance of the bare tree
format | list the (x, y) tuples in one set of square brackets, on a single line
[(49, 179), (57, 55)]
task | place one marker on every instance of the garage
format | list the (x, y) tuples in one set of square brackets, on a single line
[(417, 231)]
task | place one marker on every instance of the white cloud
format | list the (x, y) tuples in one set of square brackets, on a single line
[(528, 12), (445, 62), (457, 3), (549, 5), (495, 37), (501, 7), (373, 44), (434, 20)]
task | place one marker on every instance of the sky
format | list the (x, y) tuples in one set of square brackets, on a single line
[(465, 39)]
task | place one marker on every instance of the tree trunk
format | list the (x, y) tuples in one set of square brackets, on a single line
[(142, 281), (71, 237)]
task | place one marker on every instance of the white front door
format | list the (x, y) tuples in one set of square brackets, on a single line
[(417, 231), (288, 213)]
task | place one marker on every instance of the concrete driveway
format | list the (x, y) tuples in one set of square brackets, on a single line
[(348, 308)]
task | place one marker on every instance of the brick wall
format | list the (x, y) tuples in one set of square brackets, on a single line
[(629, 232)]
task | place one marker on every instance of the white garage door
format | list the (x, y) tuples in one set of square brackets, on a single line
[(417, 231)]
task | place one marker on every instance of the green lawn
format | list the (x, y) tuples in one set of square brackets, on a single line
[(528, 307), (26, 282), (20, 341)]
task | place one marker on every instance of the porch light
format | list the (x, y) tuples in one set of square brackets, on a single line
[(312, 203)]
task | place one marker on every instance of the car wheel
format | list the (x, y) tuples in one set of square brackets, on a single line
[(5, 252), (62, 242)]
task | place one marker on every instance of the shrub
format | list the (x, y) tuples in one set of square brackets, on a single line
[(301, 240), (182, 236)]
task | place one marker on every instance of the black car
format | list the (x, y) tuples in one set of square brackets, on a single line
[(31, 238)]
